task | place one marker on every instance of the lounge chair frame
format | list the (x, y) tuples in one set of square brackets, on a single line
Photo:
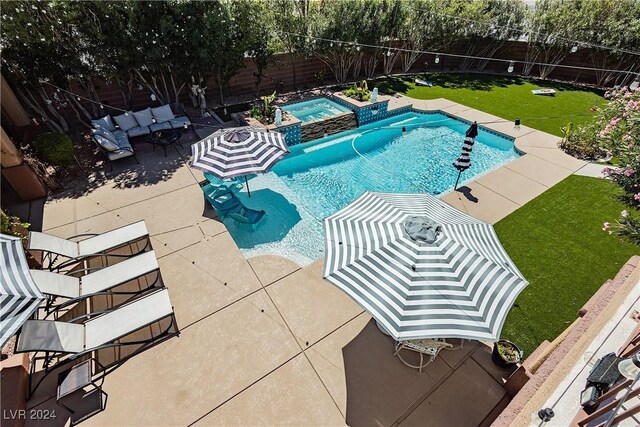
[(52, 308), (49, 357), (49, 258)]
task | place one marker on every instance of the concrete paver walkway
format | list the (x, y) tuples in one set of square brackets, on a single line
[(265, 342)]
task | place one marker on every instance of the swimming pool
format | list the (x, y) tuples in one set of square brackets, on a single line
[(314, 109), (320, 177)]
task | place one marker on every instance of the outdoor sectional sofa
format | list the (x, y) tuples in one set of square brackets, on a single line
[(112, 134)]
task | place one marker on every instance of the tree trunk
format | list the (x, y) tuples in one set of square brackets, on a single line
[(64, 126)]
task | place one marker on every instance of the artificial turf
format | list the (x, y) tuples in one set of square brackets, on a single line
[(557, 242), (506, 97)]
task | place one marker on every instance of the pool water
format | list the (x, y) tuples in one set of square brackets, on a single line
[(314, 109), (320, 177)]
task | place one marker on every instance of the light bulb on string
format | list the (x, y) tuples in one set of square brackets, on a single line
[(437, 60), (510, 69), (574, 49), (389, 52)]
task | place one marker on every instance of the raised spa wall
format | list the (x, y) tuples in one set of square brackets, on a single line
[(363, 113)]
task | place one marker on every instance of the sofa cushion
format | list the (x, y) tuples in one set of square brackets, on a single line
[(104, 123), (144, 117), (163, 114), (160, 126), (138, 131), (122, 141), (105, 143), (179, 122), (105, 134), (126, 121)]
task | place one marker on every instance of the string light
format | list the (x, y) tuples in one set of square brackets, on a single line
[(574, 48), (516, 123), (510, 69), (437, 60), (388, 52), (482, 58), (529, 32)]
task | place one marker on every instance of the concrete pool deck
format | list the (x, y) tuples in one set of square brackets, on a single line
[(273, 343)]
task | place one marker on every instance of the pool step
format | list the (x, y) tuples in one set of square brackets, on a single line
[(328, 126)]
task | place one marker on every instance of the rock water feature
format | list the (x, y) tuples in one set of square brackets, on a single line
[(329, 126)]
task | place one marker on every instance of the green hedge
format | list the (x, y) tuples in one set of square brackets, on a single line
[(54, 148)]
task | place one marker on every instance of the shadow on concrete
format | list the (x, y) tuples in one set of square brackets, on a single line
[(467, 192), (380, 388), (460, 387), (154, 167)]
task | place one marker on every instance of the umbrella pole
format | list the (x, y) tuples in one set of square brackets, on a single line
[(246, 182), (455, 187)]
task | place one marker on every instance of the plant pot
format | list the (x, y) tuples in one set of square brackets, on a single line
[(506, 354)]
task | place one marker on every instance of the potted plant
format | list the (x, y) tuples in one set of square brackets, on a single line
[(506, 354)]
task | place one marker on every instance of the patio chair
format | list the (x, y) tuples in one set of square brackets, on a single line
[(245, 215), (424, 347), (233, 183), (102, 281), (221, 198), (94, 245), (67, 341)]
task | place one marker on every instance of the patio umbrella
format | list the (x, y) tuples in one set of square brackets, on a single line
[(463, 162), (421, 268), (229, 153), (19, 295)]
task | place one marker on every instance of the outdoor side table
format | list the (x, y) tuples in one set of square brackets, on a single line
[(76, 378), (165, 138)]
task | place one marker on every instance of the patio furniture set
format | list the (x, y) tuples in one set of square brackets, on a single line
[(159, 124), (75, 322)]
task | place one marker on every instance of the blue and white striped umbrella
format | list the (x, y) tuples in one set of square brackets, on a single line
[(420, 267), (19, 295)]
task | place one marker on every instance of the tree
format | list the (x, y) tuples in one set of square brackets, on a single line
[(425, 28), (610, 23), (551, 27), (290, 20)]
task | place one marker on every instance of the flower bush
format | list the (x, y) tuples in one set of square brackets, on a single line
[(626, 226), (619, 133)]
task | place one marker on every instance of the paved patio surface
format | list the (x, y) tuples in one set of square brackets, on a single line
[(266, 342)]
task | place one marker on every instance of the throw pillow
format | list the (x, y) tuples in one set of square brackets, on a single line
[(144, 117), (126, 121), (163, 114), (104, 123), (105, 143)]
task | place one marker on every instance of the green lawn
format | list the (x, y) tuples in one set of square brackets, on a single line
[(506, 97), (557, 242)]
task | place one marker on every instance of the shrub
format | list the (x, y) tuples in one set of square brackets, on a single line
[(360, 92), (54, 148), (12, 225), (582, 142), (266, 112)]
